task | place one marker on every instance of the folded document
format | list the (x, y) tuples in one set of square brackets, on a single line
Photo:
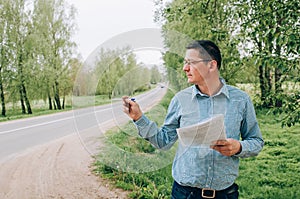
[(203, 133)]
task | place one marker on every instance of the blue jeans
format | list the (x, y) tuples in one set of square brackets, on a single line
[(184, 192)]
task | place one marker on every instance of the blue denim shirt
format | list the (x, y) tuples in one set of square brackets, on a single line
[(201, 166)]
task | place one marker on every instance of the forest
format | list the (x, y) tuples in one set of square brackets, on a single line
[(259, 41), (39, 60)]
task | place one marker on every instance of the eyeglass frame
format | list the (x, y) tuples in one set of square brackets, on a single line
[(186, 62)]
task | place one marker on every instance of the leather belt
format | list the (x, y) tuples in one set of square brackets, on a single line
[(211, 193)]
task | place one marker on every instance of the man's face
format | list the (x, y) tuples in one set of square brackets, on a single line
[(195, 67)]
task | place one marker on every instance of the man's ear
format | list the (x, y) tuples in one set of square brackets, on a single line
[(213, 65)]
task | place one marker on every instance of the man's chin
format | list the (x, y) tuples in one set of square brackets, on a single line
[(190, 81)]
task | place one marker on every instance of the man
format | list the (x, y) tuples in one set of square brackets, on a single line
[(202, 171)]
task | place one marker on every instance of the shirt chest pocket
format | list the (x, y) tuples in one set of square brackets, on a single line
[(189, 118)]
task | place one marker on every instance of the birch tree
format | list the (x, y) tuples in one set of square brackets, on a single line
[(54, 22), (18, 54)]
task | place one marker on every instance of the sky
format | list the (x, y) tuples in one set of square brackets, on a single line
[(100, 21)]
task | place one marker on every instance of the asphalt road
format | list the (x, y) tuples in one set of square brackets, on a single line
[(89, 123)]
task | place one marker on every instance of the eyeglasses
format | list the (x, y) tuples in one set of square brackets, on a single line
[(188, 62)]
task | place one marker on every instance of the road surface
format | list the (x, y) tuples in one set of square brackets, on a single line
[(50, 156)]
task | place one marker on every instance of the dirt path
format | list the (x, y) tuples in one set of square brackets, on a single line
[(59, 169)]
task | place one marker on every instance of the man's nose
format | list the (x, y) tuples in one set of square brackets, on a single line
[(186, 67)]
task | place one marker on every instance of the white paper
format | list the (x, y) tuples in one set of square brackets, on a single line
[(203, 133)]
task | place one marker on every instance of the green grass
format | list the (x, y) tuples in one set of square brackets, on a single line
[(41, 107), (133, 164), (16, 113), (13, 111), (274, 173)]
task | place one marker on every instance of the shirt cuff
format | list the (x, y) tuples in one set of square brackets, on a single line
[(241, 148), (143, 121), (240, 153)]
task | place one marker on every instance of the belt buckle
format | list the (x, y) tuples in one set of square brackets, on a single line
[(208, 193)]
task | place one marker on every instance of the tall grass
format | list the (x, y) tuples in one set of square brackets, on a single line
[(274, 173)]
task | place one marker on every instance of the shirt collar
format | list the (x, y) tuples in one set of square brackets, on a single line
[(223, 90)]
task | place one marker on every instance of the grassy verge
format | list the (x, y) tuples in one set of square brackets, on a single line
[(131, 163), (16, 113), (275, 173), (40, 107)]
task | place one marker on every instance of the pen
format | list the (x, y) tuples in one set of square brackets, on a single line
[(132, 99)]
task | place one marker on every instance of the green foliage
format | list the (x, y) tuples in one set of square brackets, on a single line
[(156, 77), (117, 73), (271, 30), (289, 112), (259, 42), (184, 21), (176, 76), (53, 23), (35, 51)]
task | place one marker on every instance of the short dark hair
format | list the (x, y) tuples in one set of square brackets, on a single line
[(208, 49)]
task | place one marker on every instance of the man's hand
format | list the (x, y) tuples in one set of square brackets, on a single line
[(131, 108), (228, 147)]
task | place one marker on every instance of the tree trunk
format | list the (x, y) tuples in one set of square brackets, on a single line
[(54, 104), (265, 86), (268, 82), (278, 89), (278, 74), (50, 102), (2, 98), (22, 101), (56, 95), (23, 92), (262, 84), (63, 104), (27, 102)]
